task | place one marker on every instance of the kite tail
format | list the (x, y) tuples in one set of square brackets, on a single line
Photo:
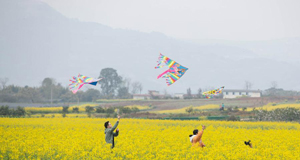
[(163, 73)]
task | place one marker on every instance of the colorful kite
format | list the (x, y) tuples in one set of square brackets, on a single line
[(79, 81), (211, 93), (174, 72)]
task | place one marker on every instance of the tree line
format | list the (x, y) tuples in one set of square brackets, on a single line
[(111, 86)]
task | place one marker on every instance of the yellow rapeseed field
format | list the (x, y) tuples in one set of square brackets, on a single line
[(139, 107), (58, 109), (271, 106), (183, 110), (83, 138)]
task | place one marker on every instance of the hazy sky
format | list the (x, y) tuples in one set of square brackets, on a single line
[(192, 19)]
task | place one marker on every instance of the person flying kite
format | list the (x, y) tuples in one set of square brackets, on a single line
[(196, 138), (175, 71), (79, 81), (109, 132)]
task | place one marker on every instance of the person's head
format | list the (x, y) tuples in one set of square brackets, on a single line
[(195, 132), (107, 125)]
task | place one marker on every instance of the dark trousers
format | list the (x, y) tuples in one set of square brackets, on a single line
[(113, 142)]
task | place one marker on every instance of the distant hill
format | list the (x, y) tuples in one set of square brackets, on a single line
[(36, 42)]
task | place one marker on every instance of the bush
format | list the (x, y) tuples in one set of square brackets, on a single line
[(89, 109), (233, 118), (65, 109), (75, 110), (100, 110), (110, 110), (279, 114), (5, 111)]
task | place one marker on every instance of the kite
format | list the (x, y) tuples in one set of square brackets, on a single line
[(79, 81), (211, 93), (175, 71)]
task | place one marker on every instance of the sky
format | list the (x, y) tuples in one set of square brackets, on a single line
[(236, 20)]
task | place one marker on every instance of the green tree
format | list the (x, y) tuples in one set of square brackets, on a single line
[(110, 82), (123, 93), (47, 89), (125, 110), (89, 109), (65, 109), (135, 109), (4, 111), (75, 110), (110, 110), (100, 110), (91, 95)]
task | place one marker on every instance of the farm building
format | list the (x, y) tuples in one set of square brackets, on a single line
[(235, 93)]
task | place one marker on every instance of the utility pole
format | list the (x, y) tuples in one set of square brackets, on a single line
[(51, 95)]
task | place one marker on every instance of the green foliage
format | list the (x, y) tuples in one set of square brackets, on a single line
[(135, 109), (110, 82), (109, 110), (123, 93), (233, 118), (65, 109), (91, 95), (75, 110), (6, 112), (43, 94), (99, 109), (89, 109)]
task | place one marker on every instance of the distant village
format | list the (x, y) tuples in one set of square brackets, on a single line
[(227, 94)]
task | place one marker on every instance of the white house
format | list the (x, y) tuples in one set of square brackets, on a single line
[(147, 96), (235, 93), (179, 95), (141, 96)]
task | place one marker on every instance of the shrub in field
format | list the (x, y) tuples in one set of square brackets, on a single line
[(75, 110), (99, 109), (279, 114)]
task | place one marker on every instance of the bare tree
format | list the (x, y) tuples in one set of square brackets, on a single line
[(140, 87), (135, 87), (127, 82), (3, 82), (199, 93), (248, 85), (273, 84), (189, 93)]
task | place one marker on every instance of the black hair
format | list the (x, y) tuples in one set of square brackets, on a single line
[(106, 124), (195, 132)]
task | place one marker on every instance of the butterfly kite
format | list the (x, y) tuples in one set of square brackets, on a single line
[(174, 72), (211, 93), (79, 81)]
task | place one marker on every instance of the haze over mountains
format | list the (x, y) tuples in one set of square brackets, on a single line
[(36, 42)]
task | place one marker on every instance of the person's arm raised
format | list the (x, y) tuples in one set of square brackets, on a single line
[(116, 124)]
